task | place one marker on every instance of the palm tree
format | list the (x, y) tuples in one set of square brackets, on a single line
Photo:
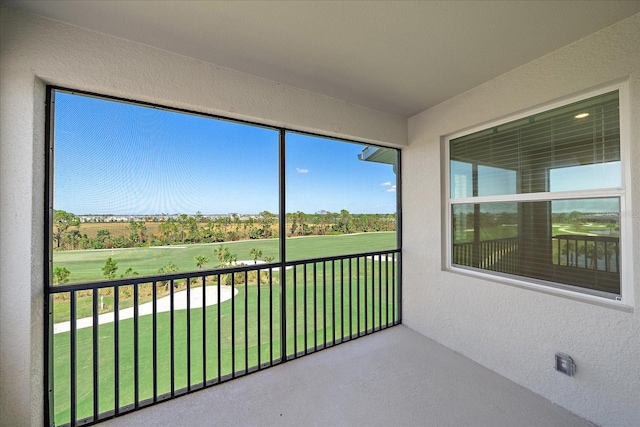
[(225, 257), (255, 254), (201, 260)]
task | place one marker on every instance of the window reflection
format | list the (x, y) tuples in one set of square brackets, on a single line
[(550, 151)]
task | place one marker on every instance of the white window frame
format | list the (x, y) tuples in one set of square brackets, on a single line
[(626, 299)]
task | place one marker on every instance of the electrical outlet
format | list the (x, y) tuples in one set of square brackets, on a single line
[(565, 364)]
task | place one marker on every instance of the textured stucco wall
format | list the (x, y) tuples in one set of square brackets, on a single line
[(35, 51), (511, 330)]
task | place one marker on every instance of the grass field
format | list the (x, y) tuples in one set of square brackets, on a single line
[(333, 298), (86, 265)]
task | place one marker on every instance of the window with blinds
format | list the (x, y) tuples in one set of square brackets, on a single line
[(539, 198)]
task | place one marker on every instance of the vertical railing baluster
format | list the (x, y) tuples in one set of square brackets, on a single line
[(494, 258), (333, 299), (324, 302), (96, 357), (495, 251), (304, 307), (386, 291), (154, 338), (295, 308), (399, 290), (366, 295), (283, 310), (315, 307), (172, 336), (271, 315), (188, 333), (342, 300), (233, 327), (116, 349), (204, 331), (350, 299), (510, 255), (393, 289), (504, 256), (246, 322), (372, 308), (219, 349), (136, 355), (259, 338), (73, 346), (358, 292), (492, 254), (380, 290)]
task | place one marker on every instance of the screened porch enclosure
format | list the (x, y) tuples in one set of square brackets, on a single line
[(536, 197)]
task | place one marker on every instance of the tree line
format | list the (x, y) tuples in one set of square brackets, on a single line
[(192, 229)]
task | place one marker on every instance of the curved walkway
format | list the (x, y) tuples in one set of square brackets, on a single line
[(382, 258), (162, 304)]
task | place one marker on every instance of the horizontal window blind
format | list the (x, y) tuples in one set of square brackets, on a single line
[(517, 157), (542, 232)]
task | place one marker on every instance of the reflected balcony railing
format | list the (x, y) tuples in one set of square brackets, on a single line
[(494, 255), (588, 252), (586, 261)]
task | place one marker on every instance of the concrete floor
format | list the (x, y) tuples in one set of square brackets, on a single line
[(396, 377)]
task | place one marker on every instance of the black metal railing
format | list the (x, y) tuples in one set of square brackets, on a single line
[(124, 344)]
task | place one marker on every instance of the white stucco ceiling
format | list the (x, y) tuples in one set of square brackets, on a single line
[(392, 56)]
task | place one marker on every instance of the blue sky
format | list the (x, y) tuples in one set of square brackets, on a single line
[(494, 181), (117, 158)]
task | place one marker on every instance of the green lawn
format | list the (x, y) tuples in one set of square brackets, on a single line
[(86, 265), (379, 300)]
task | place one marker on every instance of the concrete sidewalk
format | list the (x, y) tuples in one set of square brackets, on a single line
[(162, 304)]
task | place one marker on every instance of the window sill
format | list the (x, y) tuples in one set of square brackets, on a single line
[(545, 288)]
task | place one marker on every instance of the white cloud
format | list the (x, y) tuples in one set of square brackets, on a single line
[(386, 184), (391, 189), (302, 170)]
